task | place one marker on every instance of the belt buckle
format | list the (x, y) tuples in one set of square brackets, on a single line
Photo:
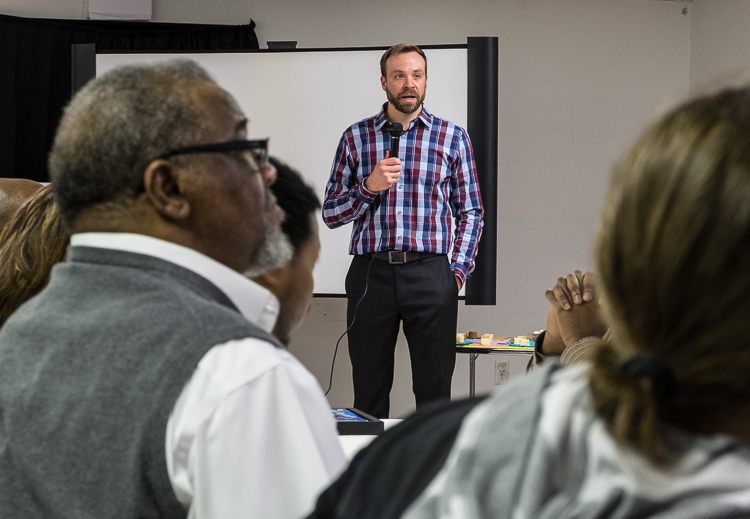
[(396, 262)]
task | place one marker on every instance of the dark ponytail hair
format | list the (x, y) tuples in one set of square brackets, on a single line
[(673, 257), (627, 404)]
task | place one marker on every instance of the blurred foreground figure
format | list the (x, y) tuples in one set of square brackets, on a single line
[(658, 423), (143, 380)]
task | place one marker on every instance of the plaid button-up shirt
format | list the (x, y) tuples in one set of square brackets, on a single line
[(438, 181)]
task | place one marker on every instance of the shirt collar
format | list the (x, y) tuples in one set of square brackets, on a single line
[(255, 303), (425, 116)]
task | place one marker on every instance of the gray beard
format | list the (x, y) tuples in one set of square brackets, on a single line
[(276, 249), (275, 252)]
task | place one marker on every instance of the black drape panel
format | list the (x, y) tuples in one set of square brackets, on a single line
[(35, 77)]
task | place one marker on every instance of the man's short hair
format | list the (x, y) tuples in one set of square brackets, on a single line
[(298, 200), (116, 125), (401, 48)]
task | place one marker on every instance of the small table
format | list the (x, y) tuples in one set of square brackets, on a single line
[(474, 350)]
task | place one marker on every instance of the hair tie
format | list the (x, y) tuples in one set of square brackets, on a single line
[(662, 379)]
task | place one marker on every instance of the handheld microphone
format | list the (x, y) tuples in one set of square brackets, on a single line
[(395, 129)]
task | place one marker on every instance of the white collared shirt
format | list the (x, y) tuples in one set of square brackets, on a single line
[(251, 434)]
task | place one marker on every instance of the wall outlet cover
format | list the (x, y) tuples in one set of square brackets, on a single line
[(502, 374)]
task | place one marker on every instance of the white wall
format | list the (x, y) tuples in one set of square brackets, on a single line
[(71, 9), (578, 80), (719, 40)]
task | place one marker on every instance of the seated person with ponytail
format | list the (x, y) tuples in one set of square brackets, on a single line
[(657, 423)]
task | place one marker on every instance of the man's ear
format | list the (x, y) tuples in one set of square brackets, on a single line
[(382, 82), (162, 183)]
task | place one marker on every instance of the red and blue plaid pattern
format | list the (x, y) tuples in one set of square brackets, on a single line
[(438, 180)]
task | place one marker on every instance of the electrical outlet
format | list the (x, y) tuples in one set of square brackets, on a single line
[(502, 375)]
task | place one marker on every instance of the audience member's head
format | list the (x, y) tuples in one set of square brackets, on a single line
[(293, 282), (13, 193), (132, 154), (674, 264), (30, 244)]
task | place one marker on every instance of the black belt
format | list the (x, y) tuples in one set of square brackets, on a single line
[(398, 257)]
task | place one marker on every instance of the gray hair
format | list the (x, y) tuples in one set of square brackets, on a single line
[(116, 125)]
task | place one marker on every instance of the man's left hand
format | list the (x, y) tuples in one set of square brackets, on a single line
[(458, 282)]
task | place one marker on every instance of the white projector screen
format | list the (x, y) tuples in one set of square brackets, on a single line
[(304, 100)]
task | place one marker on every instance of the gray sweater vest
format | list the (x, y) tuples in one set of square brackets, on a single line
[(90, 370)]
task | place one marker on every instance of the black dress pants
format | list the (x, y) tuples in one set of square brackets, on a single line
[(424, 296)]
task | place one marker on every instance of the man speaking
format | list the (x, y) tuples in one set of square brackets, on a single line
[(398, 177)]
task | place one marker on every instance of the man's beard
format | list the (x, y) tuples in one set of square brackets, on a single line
[(404, 107), (276, 250)]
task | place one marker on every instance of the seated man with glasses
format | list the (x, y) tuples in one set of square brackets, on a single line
[(143, 381), (257, 151)]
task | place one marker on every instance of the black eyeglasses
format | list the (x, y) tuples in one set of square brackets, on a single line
[(259, 149)]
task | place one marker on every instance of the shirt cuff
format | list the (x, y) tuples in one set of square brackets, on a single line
[(580, 351), (366, 193), (538, 357), (458, 272)]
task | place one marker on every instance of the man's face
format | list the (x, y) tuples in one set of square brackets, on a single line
[(231, 208), (405, 82)]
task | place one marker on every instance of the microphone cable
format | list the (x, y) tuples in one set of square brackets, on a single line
[(354, 318), (395, 130)]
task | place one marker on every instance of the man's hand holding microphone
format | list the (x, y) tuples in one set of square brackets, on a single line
[(388, 170)]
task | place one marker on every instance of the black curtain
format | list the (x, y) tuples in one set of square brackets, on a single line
[(35, 73)]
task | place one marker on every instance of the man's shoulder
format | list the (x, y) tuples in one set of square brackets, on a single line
[(442, 125), (365, 124), (152, 297), (240, 361)]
